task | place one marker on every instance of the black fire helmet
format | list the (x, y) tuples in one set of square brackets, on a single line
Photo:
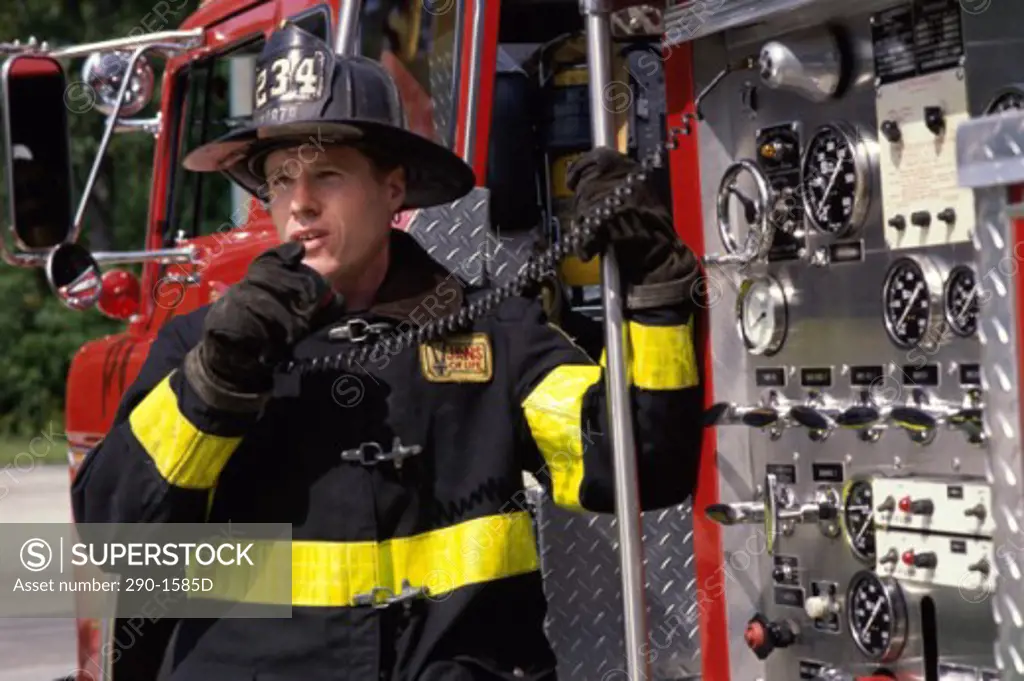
[(305, 94)]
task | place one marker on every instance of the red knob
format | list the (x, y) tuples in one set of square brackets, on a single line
[(905, 504), (908, 558), (755, 635)]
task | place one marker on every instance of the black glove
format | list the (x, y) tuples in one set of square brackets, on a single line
[(254, 327), (648, 249)]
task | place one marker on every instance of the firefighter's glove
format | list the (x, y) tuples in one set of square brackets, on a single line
[(254, 327), (654, 263)]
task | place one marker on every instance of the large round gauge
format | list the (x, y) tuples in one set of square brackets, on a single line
[(835, 179), (961, 301), (762, 316), (858, 519), (912, 301), (1008, 99), (877, 616)]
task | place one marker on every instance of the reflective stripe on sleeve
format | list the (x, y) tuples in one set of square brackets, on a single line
[(184, 455)]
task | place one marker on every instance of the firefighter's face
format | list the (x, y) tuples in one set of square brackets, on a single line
[(337, 204)]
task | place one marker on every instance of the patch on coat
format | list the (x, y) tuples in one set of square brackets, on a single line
[(458, 359)]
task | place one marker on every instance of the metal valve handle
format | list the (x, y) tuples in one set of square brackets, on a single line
[(771, 512), (761, 232)]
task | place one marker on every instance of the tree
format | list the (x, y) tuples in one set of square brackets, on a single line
[(37, 335)]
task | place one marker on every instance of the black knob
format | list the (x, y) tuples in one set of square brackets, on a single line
[(981, 566), (934, 119), (927, 560), (922, 507), (887, 506), (978, 512), (898, 222), (763, 636), (891, 557), (921, 218), (948, 216), (891, 131)]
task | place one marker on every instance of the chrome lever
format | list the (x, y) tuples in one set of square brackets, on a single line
[(969, 418), (738, 513), (819, 415), (920, 417), (772, 521), (770, 415), (865, 417)]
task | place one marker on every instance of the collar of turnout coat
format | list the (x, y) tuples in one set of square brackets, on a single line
[(416, 286)]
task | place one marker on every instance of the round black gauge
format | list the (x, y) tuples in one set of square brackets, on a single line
[(858, 519), (906, 295), (1010, 99), (833, 181), (877, 615), (961, 301)]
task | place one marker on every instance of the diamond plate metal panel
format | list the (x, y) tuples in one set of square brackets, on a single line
[(579, 552), (989, 157), (582, 582), (459, 236), (440, 66)]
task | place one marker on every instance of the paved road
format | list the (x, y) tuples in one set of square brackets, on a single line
[(30, 649)]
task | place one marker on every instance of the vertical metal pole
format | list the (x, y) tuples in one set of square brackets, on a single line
[(348, 21), (627, 501)]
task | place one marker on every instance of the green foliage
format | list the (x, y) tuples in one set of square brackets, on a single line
[(38, 336)]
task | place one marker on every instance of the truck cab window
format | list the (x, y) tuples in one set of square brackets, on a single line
[(416, 41), (215, 97)]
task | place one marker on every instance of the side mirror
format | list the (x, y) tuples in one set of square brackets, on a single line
[(37, 151), (104, 72), (74, 276)]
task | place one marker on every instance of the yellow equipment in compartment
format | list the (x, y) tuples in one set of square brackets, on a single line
[(565, 81)]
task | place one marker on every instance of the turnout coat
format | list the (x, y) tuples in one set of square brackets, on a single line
[(405, 471)]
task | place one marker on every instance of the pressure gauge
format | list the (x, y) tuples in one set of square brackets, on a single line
[(857, 519), (762, 317), (877, 615), (912, 301), (836, 176), (1010, 98), (961, 301)]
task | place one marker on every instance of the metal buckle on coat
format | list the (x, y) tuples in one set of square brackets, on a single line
[(357, 330), (371, 453), (381, 597)]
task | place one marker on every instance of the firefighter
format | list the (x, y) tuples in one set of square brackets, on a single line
[(413, 556)]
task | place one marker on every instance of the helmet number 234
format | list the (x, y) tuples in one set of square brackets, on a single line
[(291, 82)]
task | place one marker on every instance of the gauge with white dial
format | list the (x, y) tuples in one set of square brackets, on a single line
[(877, 615), (961, 301), (836, 179), (762, 316), (857, 518), (912, 301)]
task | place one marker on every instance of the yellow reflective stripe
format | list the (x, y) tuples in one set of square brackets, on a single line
[(663, 357), (660, 357), (184, 455), (333, 574), (554, 412)]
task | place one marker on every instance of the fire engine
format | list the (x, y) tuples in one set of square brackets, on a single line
[(850, 174)]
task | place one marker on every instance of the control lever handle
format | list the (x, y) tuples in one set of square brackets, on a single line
[(772, 521), (740, 513), (969, 418), (921, 417), (819, 416), (865, 417), (751, 512), (729, 414)]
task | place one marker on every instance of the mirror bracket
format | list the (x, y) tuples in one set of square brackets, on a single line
[(108, 133)]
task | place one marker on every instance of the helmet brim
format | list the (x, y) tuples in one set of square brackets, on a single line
[(434, 174)]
